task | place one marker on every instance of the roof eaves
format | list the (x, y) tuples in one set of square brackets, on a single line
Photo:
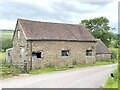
[(60, 40)]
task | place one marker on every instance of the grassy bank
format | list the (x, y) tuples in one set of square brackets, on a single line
[(112, 83), (5, 70), (46, 70)]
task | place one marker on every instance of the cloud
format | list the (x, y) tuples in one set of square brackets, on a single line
[(62, 9), (67, 11), (14, 10), (74, 7), (97, 3)]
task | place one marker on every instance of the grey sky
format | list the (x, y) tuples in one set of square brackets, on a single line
[(66, 11)]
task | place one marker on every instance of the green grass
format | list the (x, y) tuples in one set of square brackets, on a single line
[(94, 64), (46, 70), (112, 83), (43, 70), (5, 70)]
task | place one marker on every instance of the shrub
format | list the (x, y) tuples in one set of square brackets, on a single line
[(6, 43), (50, 65), (114, 54)]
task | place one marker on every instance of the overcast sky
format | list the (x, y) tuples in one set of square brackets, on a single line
[(63, 11)]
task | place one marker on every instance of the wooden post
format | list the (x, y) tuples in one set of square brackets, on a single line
[(30, 55)]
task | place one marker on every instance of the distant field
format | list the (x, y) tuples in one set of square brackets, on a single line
[(6, 34)]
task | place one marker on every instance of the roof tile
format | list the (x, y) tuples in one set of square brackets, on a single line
[(101, 48), (36, 30)]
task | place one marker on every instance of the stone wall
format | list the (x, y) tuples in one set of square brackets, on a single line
[(103, 57), (52, 53), (18, 44)]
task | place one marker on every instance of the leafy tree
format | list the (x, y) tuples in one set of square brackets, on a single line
[(6, 43), (116, 44), (100, 29), (115, 41)]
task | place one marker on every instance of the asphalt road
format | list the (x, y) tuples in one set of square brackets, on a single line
[(89, 77)]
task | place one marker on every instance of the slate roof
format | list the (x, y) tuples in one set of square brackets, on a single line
[(36, 30), (101, 48)]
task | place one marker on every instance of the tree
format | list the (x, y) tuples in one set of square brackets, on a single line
[(115, 41), (6, 43), (100, 29)]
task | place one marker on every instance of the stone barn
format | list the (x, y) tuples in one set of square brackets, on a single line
[(102, 51), (45, 44)]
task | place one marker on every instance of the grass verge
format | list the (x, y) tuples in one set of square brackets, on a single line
[(112, 83), (7, 71), (46, 70)]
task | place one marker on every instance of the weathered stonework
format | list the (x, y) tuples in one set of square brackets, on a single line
[(102, 51), (52, 53), (18, 43), (103, 57)]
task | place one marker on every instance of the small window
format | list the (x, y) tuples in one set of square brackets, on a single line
[(36, 55), (18, 34), (65, 53), (88, 52)]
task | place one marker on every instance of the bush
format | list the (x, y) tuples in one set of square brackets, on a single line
[(6, 43), (114, 53), (9, 70)]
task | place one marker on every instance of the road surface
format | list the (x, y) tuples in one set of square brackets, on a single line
[(89, 77)]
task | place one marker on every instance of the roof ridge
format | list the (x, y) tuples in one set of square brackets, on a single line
[(48, 22)]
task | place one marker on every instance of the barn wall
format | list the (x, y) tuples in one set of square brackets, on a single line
[(52, 53), (18, 44), (103, 57)]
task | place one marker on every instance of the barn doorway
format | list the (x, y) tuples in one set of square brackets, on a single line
[(22, 54)]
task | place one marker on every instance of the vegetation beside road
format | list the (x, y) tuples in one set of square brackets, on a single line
[(5, 70), (51, 69), (112, 82)]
